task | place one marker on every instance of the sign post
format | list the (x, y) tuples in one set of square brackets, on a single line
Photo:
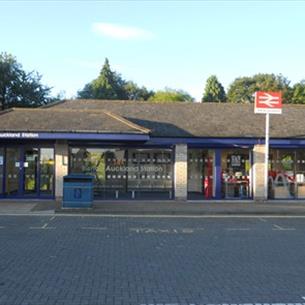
[(266, 176), (268, 103)]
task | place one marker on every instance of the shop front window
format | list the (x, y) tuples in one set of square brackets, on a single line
[(285, 169), (1, 170), (105, 165), (150, 172), (126, 173), (200, 167), (300, 174), (235, 177)]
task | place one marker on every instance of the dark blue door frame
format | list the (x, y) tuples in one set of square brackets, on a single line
[(3, 173), (21, 171), (218, 173), (21, 193)]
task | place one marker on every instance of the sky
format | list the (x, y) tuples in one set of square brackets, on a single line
[(157, 44)]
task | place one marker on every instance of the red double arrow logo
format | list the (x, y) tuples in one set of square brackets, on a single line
[(268, 99)]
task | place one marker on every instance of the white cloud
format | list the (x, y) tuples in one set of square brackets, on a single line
[(120, 32)]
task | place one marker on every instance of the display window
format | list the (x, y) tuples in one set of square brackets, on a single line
[(1, 170), (286, 174), (235, 173), (126, 173)]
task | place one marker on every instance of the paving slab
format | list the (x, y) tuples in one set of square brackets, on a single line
[(16, 207), (166, 208), (192, 208), (30, 206)]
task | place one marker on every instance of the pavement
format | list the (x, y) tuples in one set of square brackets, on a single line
[(155, 208), (27, 207), (85, 260), (199, 208)]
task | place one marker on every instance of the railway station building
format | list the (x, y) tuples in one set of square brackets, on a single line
[(152, 151)]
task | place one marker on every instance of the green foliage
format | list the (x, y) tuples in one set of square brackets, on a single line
[(243, 88), (298, 93), (111, 86), (137, 93), (18, 88), (171, 95), (214, 91)]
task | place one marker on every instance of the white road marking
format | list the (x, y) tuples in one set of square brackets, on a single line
[(94, 228), (161, 231), (1, 227), (41, 228), (52, 218), (188, 231), (279, 228), (262, 219), (44, 227)]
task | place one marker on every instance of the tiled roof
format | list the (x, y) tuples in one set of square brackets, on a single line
[(197, 119), (66, 120)]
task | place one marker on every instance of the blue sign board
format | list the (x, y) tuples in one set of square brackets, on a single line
[(73, 136)]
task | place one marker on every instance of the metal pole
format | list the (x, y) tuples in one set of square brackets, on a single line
[(266, 156)]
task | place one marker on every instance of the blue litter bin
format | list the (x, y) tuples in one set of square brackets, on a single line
[(78, 191)]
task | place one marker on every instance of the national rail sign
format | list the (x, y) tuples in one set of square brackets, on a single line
[(268, 102)]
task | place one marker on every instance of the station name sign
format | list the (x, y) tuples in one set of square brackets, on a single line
[(22, 135), (19, 135), (142, 168)]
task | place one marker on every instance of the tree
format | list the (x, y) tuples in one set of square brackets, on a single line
[(134, 92), (111, 86), (298, 93), (18, 88), (214, 91), (242, 89), (171, 95)]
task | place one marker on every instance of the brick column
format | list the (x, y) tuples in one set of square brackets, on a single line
[(181, 172), (258, 172), (61, 166)]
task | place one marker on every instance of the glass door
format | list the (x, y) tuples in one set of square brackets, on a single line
[(46, 172), (27, 171), (12, 171), (1, 171), (30, 172)]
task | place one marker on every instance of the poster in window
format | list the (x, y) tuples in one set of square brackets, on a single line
[(235, 160)]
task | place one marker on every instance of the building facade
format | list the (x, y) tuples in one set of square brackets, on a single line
[(148, 151)]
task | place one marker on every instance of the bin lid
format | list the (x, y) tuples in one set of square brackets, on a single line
[(78, 177)]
